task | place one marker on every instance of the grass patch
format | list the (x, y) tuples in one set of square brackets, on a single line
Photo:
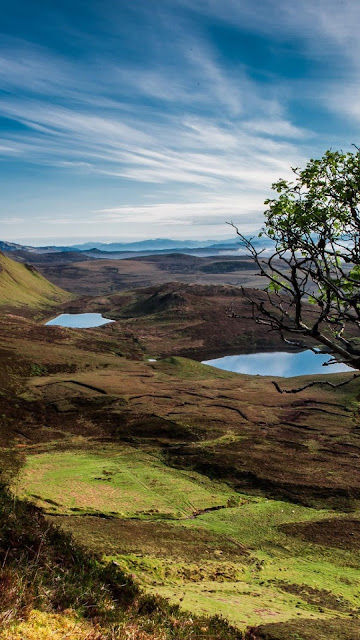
[(279, 561), (240, 603), (160, 540), (313, 630), (238, 562), (41, 625), (120, 481)]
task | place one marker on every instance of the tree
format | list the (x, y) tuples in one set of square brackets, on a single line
[(313, 270)]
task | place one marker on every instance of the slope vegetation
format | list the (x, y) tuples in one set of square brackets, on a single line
[(51, 588), (22, 285), (212, 490)]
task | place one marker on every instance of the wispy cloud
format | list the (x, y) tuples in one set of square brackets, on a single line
[(12, 221), (325, 32), (157, 146), (246, 213), (203, 138)]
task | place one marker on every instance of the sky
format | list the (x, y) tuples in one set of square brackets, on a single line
[(133, 119)]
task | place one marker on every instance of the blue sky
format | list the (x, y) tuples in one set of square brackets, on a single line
[(126, 119)]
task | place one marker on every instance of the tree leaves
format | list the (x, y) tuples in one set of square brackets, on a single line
[(314, 225)]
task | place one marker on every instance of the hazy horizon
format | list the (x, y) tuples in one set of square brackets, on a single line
[(68, 241)]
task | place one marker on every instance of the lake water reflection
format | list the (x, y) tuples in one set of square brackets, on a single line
[(79, 320), (278, 363)]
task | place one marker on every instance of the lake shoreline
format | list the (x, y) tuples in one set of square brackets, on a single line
[(284, 364)]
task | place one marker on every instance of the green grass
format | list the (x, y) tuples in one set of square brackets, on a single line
[(279, 577), (325, 579), (333, 629), (215, 587), (118, 480), (240, 603), (21, 286), (284, 557)]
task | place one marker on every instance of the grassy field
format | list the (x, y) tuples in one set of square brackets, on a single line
[(282, 576), (237, 428), (238, 561), (116, 480), (52, 588), (292, 575)]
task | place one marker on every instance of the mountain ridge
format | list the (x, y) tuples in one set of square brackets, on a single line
[(156, 244)]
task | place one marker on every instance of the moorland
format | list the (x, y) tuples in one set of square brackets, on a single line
[(188, 492), (93, 272)]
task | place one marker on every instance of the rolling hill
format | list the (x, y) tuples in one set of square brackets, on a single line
[(91, 273), (22, 285)]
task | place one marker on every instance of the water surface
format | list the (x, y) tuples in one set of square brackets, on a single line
[(279, 363), (80, 320)]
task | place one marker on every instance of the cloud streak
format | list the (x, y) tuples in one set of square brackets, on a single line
[(200, 136)]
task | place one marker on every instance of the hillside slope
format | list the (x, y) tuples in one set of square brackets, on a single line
[(22, 284), (159, 439), (52, 588), (212, 490), (191, 320)]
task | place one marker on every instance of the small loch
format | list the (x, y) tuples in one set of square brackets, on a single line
[(279, 363), (79, 320)]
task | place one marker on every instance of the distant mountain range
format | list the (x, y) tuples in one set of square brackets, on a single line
[(157, 244), (12, 246), (154, 245)]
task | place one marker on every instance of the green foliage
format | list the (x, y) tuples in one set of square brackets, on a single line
[(325, 192), (38, 370), (276, 284), (314, 223), (317, 215)]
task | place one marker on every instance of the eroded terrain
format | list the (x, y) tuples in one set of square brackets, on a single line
[(220, 492)]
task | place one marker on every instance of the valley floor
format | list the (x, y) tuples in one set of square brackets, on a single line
[(219, 492)]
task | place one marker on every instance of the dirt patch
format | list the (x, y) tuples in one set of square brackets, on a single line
[(342, 533), (307, 630), (317, 597), (157, 539)]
